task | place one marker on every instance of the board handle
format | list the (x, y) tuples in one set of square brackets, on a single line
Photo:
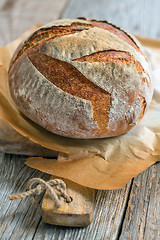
[(78, 213)]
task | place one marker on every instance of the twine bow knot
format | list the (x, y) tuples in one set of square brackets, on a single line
[(41, 186)]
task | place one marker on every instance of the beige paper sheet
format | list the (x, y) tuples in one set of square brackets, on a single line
[(98, 163)]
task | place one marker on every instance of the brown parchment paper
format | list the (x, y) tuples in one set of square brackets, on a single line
[(98, 163)]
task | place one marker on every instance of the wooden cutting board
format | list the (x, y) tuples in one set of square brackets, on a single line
[(77, 213)]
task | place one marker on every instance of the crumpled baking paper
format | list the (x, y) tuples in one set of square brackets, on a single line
[(107, 163)]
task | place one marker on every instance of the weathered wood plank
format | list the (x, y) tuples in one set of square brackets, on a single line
[(17, 16), (142, 219), (18, 219)]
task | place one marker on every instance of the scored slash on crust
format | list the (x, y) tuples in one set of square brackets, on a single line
[(70, 80)]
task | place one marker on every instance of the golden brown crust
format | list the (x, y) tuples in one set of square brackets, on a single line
[(81, 79)]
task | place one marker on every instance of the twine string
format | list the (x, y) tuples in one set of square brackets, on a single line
[(56, 189)]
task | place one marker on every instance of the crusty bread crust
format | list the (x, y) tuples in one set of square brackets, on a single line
[(81, 78)]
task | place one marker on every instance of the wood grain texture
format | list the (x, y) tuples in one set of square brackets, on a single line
[(18, 219), (142, 219), (115, 217), (17, 16)]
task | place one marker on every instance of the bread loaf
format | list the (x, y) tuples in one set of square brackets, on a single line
[(81, 78)]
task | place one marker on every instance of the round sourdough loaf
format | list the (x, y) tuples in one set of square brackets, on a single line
[(81, 78)]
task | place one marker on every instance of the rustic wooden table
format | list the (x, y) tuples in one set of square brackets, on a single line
[(129, 213)]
